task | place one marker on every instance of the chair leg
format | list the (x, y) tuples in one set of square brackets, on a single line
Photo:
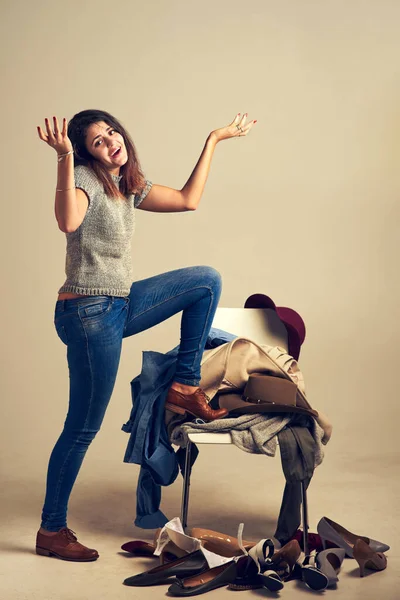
[(186, 485), (304, 510)]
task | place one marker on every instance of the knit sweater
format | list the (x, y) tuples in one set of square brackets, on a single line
[(99, 257)]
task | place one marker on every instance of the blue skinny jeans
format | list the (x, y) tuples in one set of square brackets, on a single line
[(92, 328)]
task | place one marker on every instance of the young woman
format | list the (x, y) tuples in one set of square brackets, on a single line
[(100, 184)]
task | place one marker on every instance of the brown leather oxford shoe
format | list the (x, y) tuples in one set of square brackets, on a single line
[(196, 404), (64, 545)]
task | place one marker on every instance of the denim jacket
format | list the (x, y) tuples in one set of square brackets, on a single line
[(149, 444)]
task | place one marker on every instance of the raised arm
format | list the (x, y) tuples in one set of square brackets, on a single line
[(70, 204), (164, 199)]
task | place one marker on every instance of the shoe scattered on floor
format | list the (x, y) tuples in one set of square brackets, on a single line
[(188, 565), (320, 570), (335, 533), (367, 558), (209, 579)]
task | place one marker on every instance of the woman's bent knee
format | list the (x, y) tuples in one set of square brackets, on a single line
[(210, 277)]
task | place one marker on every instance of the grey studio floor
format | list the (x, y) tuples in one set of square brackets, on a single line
[(228, 487)]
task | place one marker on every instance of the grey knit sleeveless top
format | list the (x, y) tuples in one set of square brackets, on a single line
[(99, 255)]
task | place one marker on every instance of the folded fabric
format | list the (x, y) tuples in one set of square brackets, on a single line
[(253, 433)]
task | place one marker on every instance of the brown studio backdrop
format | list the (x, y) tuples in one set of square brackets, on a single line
[(305, 209)]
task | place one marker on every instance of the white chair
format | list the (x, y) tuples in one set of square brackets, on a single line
[(264, 327)]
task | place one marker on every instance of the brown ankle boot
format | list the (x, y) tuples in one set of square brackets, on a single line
[(196, 404), (64, 545)]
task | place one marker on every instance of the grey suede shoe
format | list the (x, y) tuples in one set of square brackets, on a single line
[(329, 562), (320, 570), (330, 531)]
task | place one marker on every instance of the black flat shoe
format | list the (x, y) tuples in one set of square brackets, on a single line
[(207, 580), (188, 565)]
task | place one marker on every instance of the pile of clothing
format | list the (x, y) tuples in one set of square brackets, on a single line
[(228, 364)]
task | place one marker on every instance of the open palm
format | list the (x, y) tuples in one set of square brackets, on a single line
[(55, 138), (238, 128)]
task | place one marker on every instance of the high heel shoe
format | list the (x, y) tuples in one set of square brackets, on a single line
[(319, 571), (367, 558), (312, 576), (329, 562), (335, 533), (284, 560)]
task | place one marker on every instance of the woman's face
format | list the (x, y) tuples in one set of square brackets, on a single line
[(107, 146)]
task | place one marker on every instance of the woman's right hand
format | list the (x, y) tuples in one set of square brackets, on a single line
[(56, 139)]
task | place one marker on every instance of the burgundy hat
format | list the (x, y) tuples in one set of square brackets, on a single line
[(293, 322)]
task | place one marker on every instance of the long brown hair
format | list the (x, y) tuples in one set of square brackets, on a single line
[(132, 176)]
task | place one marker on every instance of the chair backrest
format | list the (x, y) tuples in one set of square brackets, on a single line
[(259, 324)]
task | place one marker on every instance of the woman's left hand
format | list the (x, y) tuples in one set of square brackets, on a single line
[(237, 128)]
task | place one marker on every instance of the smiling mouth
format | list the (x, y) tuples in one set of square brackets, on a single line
[(116, 153)]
